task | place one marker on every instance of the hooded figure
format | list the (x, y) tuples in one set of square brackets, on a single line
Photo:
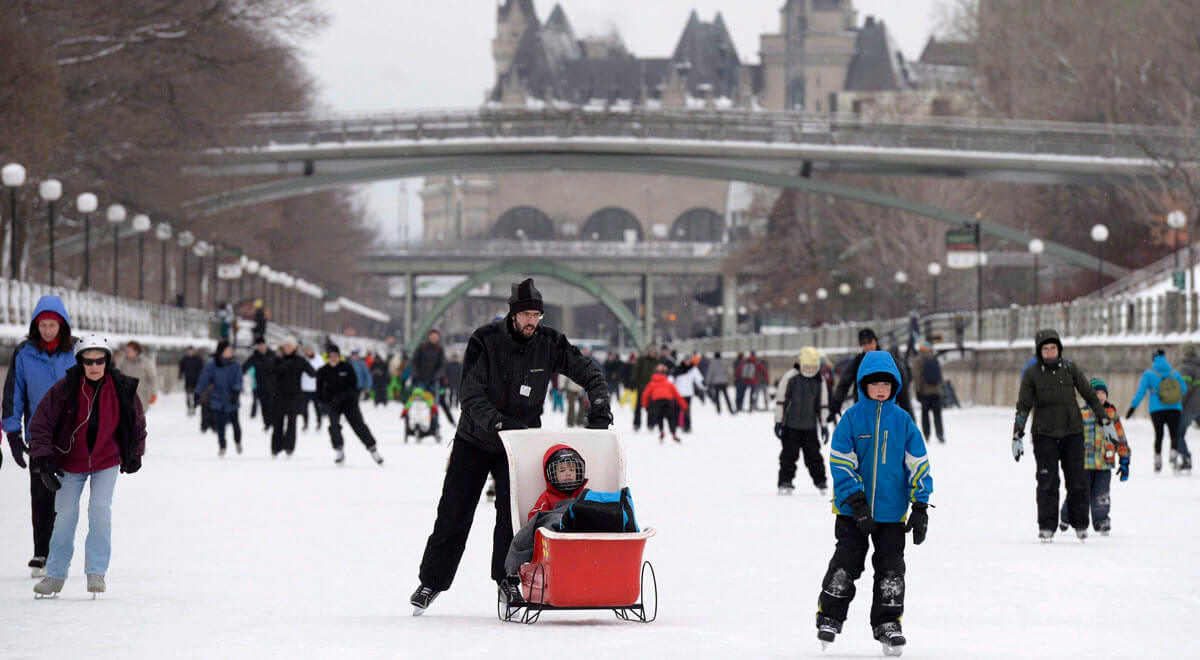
[(37, 363), (1166, 404)]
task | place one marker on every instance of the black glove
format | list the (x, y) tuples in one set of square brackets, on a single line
[(862, 512), (132, 466), (779, 431), (1129, 413), (507, 424), (49, 473), (918, 522), (19, 450), (599, 418), (832, 418), (824, 434)]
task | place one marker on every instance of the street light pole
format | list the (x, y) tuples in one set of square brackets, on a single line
[(51, 191), (185, 242), (1036, 248), (1177, 220), (934, 269), (844, 290), (869, 283), (141, 224), (13, 176), (1099, 235), (87, 203), (163, 233), (116, 215), (978, 283)]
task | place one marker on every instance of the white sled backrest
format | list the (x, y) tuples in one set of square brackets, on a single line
[(603, 453)]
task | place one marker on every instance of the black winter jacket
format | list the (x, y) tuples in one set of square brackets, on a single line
[(264, 370), (337, 387), (190, 367), (289, 397), (428, 362), (505, 381)]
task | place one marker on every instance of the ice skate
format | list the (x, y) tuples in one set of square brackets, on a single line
[(221, 453), (660, 436), (827, 630), (1063, 526), (37, 567), (376, 457), (786, 489), (48, 588), (1046, 535), (675, 438), (238, 447), (1158, 462), (823, 489), (1185, 465), (95, 584), (889, 636), (1081, 533), (509, 590), (491, 491), (422, 598), (340, 457)]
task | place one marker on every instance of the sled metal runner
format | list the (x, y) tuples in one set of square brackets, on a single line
[(530, 611)]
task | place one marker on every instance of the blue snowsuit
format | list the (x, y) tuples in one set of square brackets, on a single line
[(226, 380), (876, 449)]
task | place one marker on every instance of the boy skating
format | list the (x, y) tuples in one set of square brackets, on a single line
[(879, 466)]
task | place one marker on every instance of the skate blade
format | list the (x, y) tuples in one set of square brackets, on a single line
[(892, 651), (824, 645), (418, 611), (45, 596)]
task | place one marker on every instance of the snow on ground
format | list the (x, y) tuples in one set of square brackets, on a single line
[(253, 557)]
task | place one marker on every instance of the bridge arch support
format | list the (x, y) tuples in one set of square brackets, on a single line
[(554, 271)]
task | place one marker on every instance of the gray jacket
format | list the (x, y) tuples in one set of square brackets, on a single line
[(520, 550), (718, 373), (1190, 370)]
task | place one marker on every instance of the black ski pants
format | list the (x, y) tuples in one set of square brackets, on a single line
[(718, 391), (318, 407), (931, 403), (794, 441), (42, 504), (465, 476), (846, 566), (354, 418), (1050, 453), (661, 410), (637, 411), (1099, 489), (1169, 419), (687, 415), (221, 419), (283, 434)]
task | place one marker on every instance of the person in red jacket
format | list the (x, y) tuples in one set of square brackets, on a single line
[(89, 426), (662, 402), (565, 472)]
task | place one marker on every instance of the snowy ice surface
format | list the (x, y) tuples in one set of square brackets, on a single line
[(249, 557)]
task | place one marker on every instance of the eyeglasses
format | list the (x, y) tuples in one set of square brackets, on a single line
[(529, 316), (91, 362)]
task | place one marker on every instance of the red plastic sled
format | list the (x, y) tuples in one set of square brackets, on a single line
[(572, 571)]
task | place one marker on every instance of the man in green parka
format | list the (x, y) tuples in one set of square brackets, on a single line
[(643, 369), (1048, 389)]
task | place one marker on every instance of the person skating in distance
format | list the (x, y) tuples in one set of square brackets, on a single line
[(337, 390), (506, 371)]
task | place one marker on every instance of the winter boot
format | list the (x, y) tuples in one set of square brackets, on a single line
[(1158, 462), (1174, 460), (37, 567), (1185, 463), (340, 457), (509, 590), (376, 457), (422, 598), (48, 587), (888, 634), (827, 629), (95, 584), (1046, 535)]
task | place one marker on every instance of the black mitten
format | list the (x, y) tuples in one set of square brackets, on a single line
[(918, 522), (49, 473), (862, 512)]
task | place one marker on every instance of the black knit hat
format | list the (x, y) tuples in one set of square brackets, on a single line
[(866, 335), (525, 297), (333, 348), (222, 345)]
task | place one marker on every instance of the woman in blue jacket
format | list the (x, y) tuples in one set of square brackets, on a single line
[(879, 467), (1162, 412), (224, 376), (37, 364)]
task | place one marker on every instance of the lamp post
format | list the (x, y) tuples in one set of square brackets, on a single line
[(116, 215), (1177, 220), (13, 176), (251, 269), (901, 278), (869, 284), (934, 269), (51, 191), (141, 224), (844, 292), (87, 203), (163, 233), (200, 249), (185, 241), (802, 298), (822, 294), (1100, 234), (1036, 248)]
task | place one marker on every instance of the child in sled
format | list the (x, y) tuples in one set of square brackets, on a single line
[(565, 472)]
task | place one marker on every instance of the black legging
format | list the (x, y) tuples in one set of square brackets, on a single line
[(1170, 419)]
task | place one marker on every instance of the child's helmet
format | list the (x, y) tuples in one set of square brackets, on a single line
[(565, 456)]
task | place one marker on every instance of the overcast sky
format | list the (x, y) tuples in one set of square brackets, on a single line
[(411, 54)]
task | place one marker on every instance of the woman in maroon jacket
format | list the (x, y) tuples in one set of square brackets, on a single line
[(88, 426)]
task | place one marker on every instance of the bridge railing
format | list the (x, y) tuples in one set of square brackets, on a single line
[(1169, 317), (589, 249), (955, 133)]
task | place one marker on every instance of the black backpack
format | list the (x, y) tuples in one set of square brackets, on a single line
[(594, 511), (931, 371)]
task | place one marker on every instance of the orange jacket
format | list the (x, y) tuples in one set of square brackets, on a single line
[(661, 388)]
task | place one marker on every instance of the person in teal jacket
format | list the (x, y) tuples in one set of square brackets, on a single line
[(879, 465), (1162, 413)]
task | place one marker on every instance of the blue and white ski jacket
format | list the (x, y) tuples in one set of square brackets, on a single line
[(1159, 370), (876, 448), (33, 371)]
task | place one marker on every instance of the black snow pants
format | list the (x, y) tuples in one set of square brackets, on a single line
[(283, 435), (795, 440), (661, 410), (846, 566), (1169, 419), (465, 476), (42, 503), (637, 411), (1049, 453), (354, 418), (931, 403)]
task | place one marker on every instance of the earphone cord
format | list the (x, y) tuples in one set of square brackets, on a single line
[(91, 400)]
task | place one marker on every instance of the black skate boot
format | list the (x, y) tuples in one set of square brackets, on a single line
[(888, 634), (422, 598), (1082, 534), (1158, 462), (509, 590), (827, 629), (37, 567), (1046, 535), (1185, 464), (786, 489)]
